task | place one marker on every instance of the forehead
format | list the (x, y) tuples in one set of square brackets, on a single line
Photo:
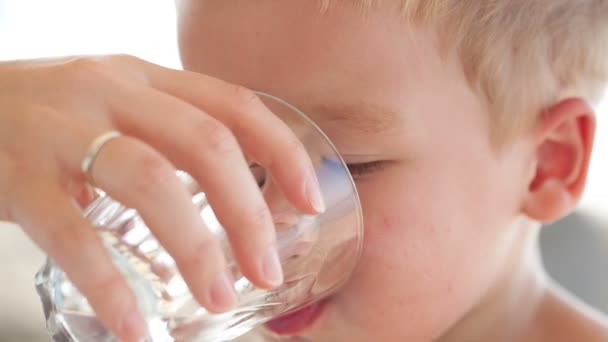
[(362, 117), (362, 69)]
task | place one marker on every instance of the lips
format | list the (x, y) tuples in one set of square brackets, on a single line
[(297, 321)]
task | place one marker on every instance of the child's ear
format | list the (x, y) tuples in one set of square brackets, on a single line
[(564, 139)]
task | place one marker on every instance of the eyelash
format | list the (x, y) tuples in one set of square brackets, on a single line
[(356, 170), (363, 169)]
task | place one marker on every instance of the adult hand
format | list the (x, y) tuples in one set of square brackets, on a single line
[(51, 111)]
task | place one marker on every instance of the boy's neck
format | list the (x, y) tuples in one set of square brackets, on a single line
[(504, 313), (525, 305)]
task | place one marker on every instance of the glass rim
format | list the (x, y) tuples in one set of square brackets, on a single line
[(357, 200)]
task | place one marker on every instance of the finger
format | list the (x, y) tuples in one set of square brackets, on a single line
[(82, 192), (262, 135), (51, 218), (138, 176), (206, 149)]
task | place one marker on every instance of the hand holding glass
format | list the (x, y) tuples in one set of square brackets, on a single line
[(318, 254)]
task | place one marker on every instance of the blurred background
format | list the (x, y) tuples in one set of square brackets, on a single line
[(575, 250)]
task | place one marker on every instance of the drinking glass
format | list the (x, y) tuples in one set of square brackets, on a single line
[(318, 253)]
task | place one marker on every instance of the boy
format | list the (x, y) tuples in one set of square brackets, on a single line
[(475, 126), (466, 125)]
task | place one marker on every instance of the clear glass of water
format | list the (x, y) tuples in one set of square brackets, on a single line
[(318, 254)]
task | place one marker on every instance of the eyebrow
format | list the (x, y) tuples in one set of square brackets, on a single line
[(364, 117)]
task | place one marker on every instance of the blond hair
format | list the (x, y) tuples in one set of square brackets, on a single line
[(521, 55)]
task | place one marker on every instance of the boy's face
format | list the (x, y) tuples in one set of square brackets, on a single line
[(439, 202)]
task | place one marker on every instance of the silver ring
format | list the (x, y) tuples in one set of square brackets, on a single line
[(93, 151)]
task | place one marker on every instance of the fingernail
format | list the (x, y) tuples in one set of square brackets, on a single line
[(222, 293), (271, 268), (313, 192), (134, 327)]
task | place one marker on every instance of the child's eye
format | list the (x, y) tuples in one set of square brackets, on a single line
[(362, 169)]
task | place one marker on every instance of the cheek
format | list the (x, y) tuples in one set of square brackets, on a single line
[(409, 248), (419, 220), (423, 260)]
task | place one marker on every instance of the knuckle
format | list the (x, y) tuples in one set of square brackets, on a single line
[(155, 174), (204, 252), (259, 232), (93, 74), (129, 67), (113, 68), (245, 99), (85, 67), (293, 146), (122, 58), (113, 283), (217, 138), (290, 148), (261, 218)]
